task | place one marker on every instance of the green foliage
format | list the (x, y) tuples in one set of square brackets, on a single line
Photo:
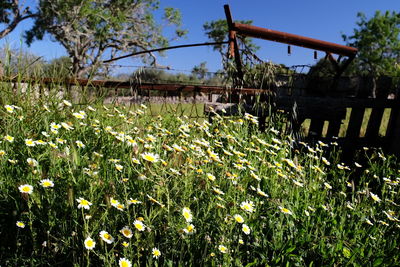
[(378, 42), (92, 30), (58, 67)]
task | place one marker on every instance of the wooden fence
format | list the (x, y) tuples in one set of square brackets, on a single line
[(354, 115)]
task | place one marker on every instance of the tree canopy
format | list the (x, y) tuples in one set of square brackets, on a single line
[(92, 31), (12, 12), (378, 43)]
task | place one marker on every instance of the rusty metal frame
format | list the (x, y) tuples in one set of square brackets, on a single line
[(287, 38)]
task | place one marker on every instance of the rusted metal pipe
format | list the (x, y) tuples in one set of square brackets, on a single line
[(233, 45), (293, 39)]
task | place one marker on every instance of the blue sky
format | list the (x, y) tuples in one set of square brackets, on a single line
[(320, 19)]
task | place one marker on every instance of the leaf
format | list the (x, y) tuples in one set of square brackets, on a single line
[(254, 263), (290, 249), (346, 252), (377, 262)]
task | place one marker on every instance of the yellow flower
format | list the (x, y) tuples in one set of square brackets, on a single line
[(375, 197), (223, 249), (383, 223), (238, 218), (131, 142), (83, 203), (156, 253), (2, 153), (390, 215), (89, 243), (368, 222), (187, 214), (327, 186), (150, 157), (210, 177), (120, 206), (106, 237), (119, 167), (9, 108), (79, 115), (247, 206), (40, 142), (127, 232), (261, 193), (190, 229), (91, 108), (125, 244), (135, 160), (285, 210), (20, 224), (32, 162), (218, 191), (133, 201), (29, 142), (245, 229), (46, 183), (67, 103), (9, 138), (124, 262), (139, 225), (80, 144), (255, 176), (177, 148), (298, 183), (155, 201), (26, 189), (325, 161), (67, 126)]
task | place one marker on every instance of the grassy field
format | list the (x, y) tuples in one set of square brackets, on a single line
[(93, 185)]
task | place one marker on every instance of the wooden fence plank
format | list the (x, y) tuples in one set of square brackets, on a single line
[(355, 122), (374, 123), (334, 128), (393, 131), (315, 130)]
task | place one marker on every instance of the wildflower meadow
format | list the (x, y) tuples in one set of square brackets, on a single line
[(87, 184)]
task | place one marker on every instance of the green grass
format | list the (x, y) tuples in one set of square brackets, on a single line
[(297, 208)]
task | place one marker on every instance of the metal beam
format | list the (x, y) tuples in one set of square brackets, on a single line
[(293, 39), (233, 45)]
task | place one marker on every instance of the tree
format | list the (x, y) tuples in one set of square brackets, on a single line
[(58, 67), (378, 43), (200, 71), (92, 30), (11, 14)]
